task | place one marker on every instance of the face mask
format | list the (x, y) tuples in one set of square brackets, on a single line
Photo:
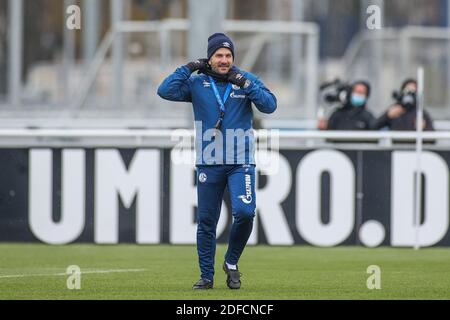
[(409, 99), (358, 100)]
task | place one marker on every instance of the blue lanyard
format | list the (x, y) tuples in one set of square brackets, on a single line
[(220, 101)]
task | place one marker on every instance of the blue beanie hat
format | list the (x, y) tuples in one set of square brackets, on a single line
[(217, 41)]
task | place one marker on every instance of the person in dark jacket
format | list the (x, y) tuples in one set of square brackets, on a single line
[(222, 97), (353, 115), (402, 115)]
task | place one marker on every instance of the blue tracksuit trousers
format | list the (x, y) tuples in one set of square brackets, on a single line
[(211, 183)]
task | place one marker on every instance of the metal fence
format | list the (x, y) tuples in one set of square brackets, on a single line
[(121, 83), (386, 57)]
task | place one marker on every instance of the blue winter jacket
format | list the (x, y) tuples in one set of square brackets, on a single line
[(236, 143)]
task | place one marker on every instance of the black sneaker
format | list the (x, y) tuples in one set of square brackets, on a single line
[(233, 277), (203, 284)]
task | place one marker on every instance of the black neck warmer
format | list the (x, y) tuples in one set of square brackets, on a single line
[(216, 76)]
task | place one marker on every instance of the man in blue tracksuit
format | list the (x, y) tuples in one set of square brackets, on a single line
[(221, 96)]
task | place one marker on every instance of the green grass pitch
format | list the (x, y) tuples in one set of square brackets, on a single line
[(37, 271)]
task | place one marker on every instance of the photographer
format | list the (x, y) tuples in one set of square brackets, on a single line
[(402, 115), (351, 113)]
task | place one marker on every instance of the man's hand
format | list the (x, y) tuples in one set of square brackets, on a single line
[(322, 124), (395, 111), (199, 64), (236, 77)]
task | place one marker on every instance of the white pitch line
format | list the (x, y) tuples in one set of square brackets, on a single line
[(65, 274)]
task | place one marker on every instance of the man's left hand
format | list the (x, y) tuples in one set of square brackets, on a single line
[(236, 77)]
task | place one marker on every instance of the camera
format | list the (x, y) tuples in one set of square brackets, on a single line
[(407, 99), (335, 91)]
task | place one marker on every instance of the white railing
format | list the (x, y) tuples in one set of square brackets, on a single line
[(169, 138)]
